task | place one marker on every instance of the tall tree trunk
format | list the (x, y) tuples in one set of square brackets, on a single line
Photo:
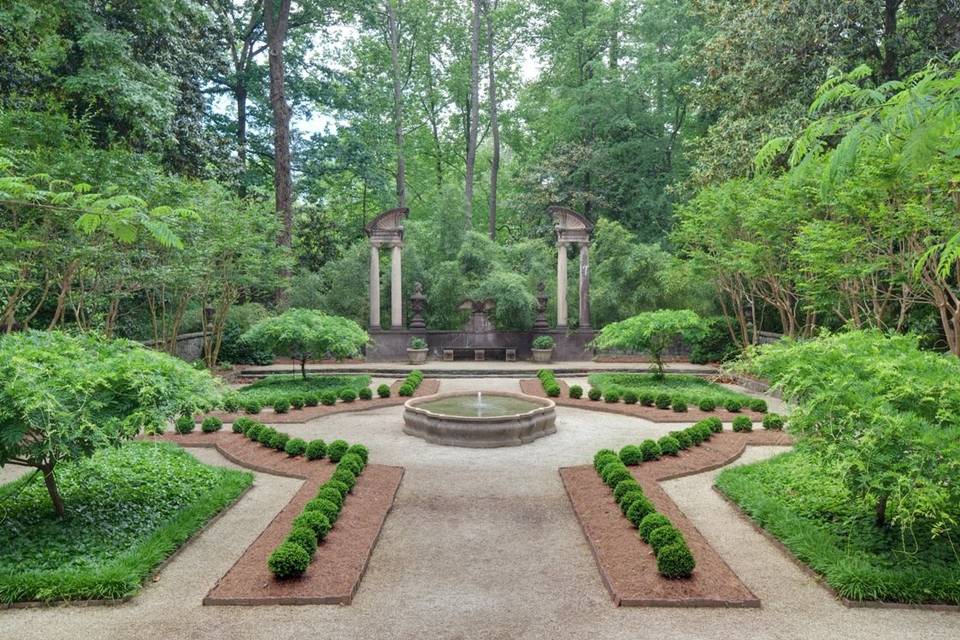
[(494, 123), (889, 66), (240, 95), (880, 518), (276, 17), (51, 482), (474, 111), (393, 28)]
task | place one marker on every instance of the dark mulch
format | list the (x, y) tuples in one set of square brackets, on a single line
[(299, 416), (627, 564), (533, 387), (339, 562)]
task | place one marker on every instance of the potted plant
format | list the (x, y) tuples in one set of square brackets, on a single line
[(417, 351), (542, 348)]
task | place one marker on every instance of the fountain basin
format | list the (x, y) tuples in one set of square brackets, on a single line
[(502, 420)]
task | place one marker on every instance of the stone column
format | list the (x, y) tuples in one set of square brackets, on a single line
[(584, 286), (374, 287), (561, 285), (396, 293)]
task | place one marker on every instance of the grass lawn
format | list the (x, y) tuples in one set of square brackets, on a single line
[(128, 509), (690, 389), (285, 387), (798, 500)]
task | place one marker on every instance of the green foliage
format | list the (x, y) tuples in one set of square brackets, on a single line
[(707, 404), (281, 406), (327, 507), (594, 394), (360, 451), (288, 560), (344, 475), (297, 402), (678, 406), (650, 522), (675, 561), (288, 388), (184, 424), (692, 390), (383, 391), (279, 441), (252, 407), (758, 404), (650, 450), (328, 398), (630, 397), (663, 401), (669, 446), (348, 395), (332, 494), (631, 455), (240, 425), (315, 521), (405, 390), (623, 487), (304, 537), (543, 342), (663, 536), (804, 501), (651, 332), (683, 438), (713, 423), (417, 343), (295, 447), (130, 507), (732, 405), (611, 397), (576, 392), (773, 421), (614, 476), (337, 449), (365, 393), (638, 510), (211, 424), (316, 449), (352, 462), (602, 457), (629, 498)]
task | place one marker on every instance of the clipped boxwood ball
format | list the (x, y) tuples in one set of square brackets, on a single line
[(611, 397), (663, 536), (553, 390), (650, 522), (316, 521), (742, 424), (758, 404), (361, 451), (638, 510), (365, 393), (629, 498), (316, 449), (594, 394), (305, 537), (351, 462), (714, 423), (663, 401), (280, 441), (348, 395), (614, 465), (240, 425), (211, 424), (773, 421), (647, 399), (631, 455), (337, 449), (576, 392), (231, 403), (675, 561), (328, 398), (616, 476), (311, 399), (679, 406), (184, 424), (345, 476), (254, 432), (600, 456), (405, 390), (623, 487), (281, 406), (252, 407), (295, 447), (383, 391), (707, 404), (650, 450), (324, 506), (733, 405), (332, 494), (630, 397), (683, 438), (704, 430), (297, 402), (288, 560), (669, 446), (342, 487)]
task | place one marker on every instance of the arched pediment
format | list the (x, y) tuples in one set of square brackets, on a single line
[(387, 228), (571, 227)]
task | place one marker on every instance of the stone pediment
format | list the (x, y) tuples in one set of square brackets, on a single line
[(387, 228), (571, 227)]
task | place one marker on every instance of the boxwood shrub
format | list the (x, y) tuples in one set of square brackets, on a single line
[(295, 447), (305, 537), (252, 407), (733, 405), (553, 390), (707, 404), (241, 424), (576, 392), (631, 455), (629, 498), (253, 432), (683, 438), (663, 536), (668, 446), (615, 476), (594, 394), (405, 390), (316, 449), (288, 560), (650, 450), (679, 406), (742, 424), (211, 424), (630, 397), (280, 441), (348, 395), (184, 424), (611, 397), (231, 403), (650, 522), (758, 404), (341, 487), (773, 421), (281, 406), (351, 462), (297, 402), (647, 398), (365, 393), (713, 423), (383, 391), (315, 521), (324, 506), (360, 450), (311, 399), (331, 494), (345, 476), (662, 401), (328, 398), (623, 487), (602, 457), (675, 561), (337, 449), (638, 510)]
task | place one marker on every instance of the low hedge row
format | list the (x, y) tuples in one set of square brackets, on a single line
[(549, 381), (283, 403), (410, 383), (666, 401), (674, 559), (292, 556)]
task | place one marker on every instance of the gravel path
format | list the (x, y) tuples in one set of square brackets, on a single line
[(480, 544)]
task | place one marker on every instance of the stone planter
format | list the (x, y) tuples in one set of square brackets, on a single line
[(542, 355), (417, 356)]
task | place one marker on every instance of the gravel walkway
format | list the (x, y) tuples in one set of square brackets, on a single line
[(480, 544)]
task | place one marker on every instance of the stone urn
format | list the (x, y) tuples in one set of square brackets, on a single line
[(542, 349), (417, 351)]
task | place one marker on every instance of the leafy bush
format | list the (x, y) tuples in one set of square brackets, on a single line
[(623, 487), (629, 397), (691, 389), (683, 438), (365, 393), (663, 536), (638, 510), (211, 424), (663, 401), (616, 476), (184, 424), (383, 391), (602, 457), (631, 455), (316, 449), (305, 537), (758, 404), (337, 449), (253, 432), (295, 447), (332, 494), (629, 498), (611, 397), (704, 431), (252, 407), (594, 394), (679, 406), (361, 451), (652, 332), (732, 405), (240, 425), (316, 521), (351, 462), (279, 441), (713, 423), (288, 560), (675, 561), (650, 522), (348, 395), (277, 387), (405, 390), (281, 406), (417, 343), (576, 392), (695, 435), (669, 446), (650, 450), (268, 437), (297, 402), (707, 404), (231, 403), (553, 390), (328, 398), (324, 506), (773, 421), (742, 424), (311, 399), (647, 398), (345, 476), (543, 342), (342, 487), (609, 467)]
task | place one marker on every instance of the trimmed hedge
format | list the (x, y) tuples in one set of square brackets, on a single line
[(383, 391), (594, 394), (211, 424), (773, 421), (184, 424), (316, 449), (576, 392), (631, 455), (675, 561), (742, 424), (288, 560)]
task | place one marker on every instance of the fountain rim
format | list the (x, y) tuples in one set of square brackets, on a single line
[(545, 405)]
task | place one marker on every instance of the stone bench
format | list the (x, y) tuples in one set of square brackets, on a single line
[(480, 355)]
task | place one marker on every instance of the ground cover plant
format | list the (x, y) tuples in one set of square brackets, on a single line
[(287, 388), (129, 508), (807, 506), (669, 389)]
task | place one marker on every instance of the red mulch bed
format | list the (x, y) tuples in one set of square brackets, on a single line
[(533, 387), (341, 559), (627, 564), (299, 416)]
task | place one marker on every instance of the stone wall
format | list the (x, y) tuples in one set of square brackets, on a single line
[(189, 346), (392, 345)]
